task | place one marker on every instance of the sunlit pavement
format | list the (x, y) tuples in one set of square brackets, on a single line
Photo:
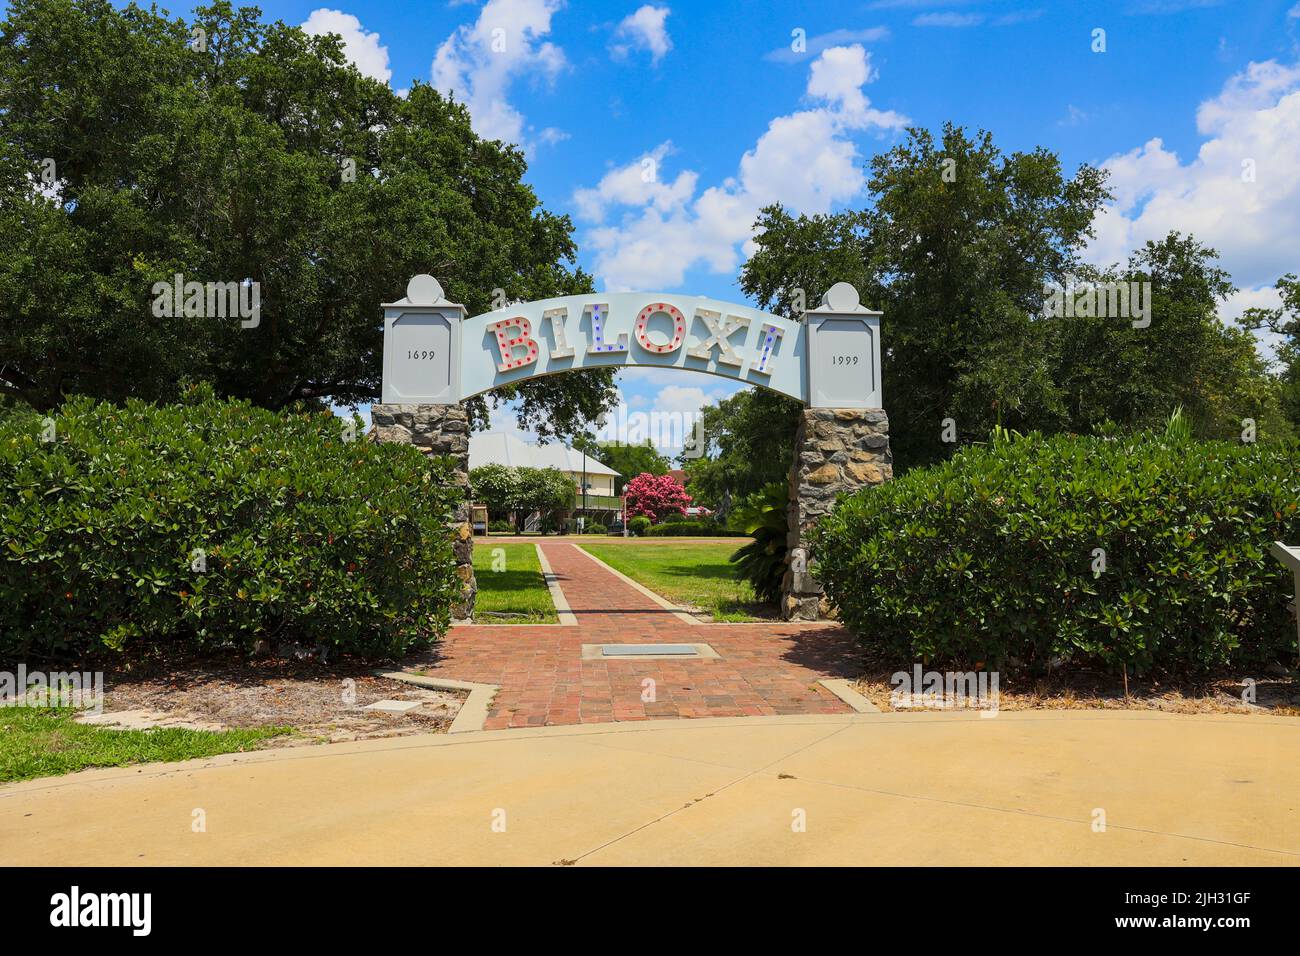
[(1023, 788), (762, 669)]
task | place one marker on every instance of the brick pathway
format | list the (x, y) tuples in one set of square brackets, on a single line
[(766, 668)]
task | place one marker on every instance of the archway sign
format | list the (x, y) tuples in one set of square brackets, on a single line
[(433, 354), (828, 358)]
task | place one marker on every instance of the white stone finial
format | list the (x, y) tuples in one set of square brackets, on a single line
[(424, 289), (841, 297)]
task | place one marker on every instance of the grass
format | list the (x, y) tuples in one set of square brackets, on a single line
[(511, 589), (45, 741), (693, 574)]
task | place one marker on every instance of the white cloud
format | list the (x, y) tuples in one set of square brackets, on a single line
[(1160, 7), (1264, 297), (666, 418), (362, 49), (505, 418), (823, 41), (636, 184), (646, 29), (1257, 87), (837, 76), (478, 63), (948, 20), (1018, 17), (681, 398), (909, 4), (1073, 116), (804, 160), (1252, 128)]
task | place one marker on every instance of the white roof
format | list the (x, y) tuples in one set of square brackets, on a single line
[(501, 448)]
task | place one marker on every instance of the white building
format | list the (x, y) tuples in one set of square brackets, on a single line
[(501, 448)]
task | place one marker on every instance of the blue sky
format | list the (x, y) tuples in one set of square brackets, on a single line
[(713, 98)]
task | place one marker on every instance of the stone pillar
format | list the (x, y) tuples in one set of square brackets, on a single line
[(439, 430), (837, 450)]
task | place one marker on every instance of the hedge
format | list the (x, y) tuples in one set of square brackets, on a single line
[(990, 557), (675, 529), (214, 524)]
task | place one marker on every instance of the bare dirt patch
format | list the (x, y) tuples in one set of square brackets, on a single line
[(1277, 694), (321, 702)]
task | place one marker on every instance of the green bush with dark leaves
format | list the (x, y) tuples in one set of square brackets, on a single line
[(687, 528), (1143, 552), (639, 524), (214, 525)]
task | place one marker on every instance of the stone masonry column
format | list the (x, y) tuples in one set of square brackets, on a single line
[(439, 430), (837, 450)]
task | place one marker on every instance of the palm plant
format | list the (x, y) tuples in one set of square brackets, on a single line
[(762, 561)]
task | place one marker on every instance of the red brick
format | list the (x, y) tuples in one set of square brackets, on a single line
[(766, 668)]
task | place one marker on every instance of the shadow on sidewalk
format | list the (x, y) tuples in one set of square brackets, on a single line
[(830, 650)]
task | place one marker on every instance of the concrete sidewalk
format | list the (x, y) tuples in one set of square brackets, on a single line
[(1022, 788)]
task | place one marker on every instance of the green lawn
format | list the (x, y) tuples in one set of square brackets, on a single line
[(511, 589), (693, 574), (43, 742)]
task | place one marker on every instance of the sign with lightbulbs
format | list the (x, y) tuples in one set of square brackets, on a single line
[(829, 357)]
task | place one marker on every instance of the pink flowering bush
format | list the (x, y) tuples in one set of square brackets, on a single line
[(656, 497)]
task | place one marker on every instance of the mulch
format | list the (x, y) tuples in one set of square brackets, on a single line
[(1275, 693), (321, 701)]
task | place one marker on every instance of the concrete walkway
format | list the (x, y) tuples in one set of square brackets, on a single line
[(955, 789), (762, 669)]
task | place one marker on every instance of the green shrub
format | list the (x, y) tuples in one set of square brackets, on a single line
[(214, 525), (690, 529), (990, 555), (762, 561), (501, 527), (639, 524), (673, 517), (594, 527)]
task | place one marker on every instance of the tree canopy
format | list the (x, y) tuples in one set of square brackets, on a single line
[(518, 491), (1284, 322), (134, 147), (749, 443), (1106, 369), (958, 247), (628, 460)]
